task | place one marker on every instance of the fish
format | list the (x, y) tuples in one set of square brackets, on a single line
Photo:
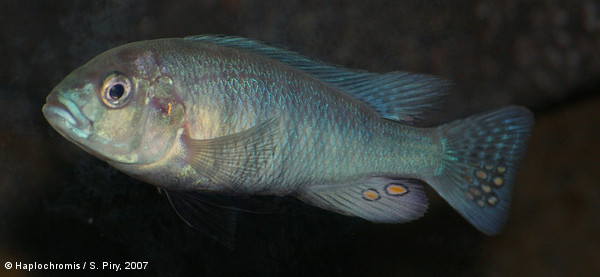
[(216, 120)]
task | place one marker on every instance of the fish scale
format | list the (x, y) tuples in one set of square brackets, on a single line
[(214, 119)]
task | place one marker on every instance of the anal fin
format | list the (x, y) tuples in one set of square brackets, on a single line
[(377, 199)]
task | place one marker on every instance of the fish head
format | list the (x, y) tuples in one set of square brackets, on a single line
[(120, 107)]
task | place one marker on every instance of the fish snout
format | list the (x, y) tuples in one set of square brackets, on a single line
[(65, 116)]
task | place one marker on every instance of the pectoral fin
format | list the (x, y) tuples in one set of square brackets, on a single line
[(234, 159), (377, 199)]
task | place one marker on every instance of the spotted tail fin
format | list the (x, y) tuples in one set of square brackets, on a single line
[(481, 155)]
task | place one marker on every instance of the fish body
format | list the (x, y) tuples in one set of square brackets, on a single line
[(222, 116)]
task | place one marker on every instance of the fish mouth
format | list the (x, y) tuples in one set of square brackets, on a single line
[(65, 116)]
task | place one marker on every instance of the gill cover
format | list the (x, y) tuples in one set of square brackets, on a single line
[(149, 123)]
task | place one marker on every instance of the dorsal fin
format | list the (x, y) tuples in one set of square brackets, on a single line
[(398, 96)]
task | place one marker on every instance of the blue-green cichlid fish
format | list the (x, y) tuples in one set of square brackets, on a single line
[(211, 119)]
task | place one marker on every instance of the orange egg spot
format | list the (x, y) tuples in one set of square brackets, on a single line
[(370, 195), (501, 169), (498, 181), (486, 188), (475, 191), (394, 189), (480, 174), (492, 200)]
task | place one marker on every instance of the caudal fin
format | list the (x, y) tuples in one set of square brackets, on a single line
[(481, 155)]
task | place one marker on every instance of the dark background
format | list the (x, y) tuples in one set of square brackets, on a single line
[(59, 204)]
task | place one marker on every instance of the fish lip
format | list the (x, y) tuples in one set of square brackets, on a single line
[(64, 115), (59, 112)]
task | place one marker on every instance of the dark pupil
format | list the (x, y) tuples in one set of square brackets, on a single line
[(116, 91)]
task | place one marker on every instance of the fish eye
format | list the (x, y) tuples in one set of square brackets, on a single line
[(116, 89)]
